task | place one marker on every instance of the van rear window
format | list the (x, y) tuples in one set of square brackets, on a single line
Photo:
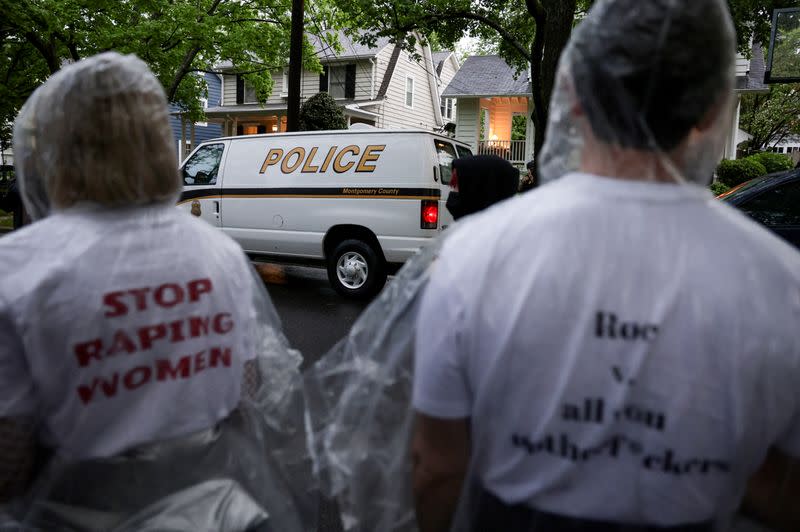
[(446, 154)]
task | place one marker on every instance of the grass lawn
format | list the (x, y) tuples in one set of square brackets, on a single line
[(6, 219)]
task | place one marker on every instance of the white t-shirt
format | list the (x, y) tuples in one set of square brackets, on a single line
[(120, 327), (626, 351)]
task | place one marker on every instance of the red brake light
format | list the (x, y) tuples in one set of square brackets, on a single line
[(429, 215)]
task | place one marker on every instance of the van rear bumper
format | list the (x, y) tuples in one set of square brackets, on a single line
[(398, 249)]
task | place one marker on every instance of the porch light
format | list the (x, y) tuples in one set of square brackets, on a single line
[(274, 128)]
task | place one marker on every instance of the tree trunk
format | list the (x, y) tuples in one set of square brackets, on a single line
[(553, 27)]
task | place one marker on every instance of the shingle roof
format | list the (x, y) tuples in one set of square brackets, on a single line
[(754, 81), (350, 48), (439, 59), (487, 75)]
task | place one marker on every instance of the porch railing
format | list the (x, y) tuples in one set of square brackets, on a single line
[(510, 150)]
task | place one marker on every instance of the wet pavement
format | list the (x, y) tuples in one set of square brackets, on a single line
[(313, 315)]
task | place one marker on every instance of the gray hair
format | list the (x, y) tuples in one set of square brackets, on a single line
[(97, 131)]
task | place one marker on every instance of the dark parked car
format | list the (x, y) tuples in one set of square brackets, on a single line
[(772, 200)]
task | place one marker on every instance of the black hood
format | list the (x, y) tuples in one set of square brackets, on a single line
[(483, 180)]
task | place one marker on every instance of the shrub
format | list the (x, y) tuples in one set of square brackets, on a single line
[(773, 162), (736, 172), (718, 188), (321, 112)]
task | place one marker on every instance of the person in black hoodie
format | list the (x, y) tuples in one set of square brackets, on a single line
[(479, 182)]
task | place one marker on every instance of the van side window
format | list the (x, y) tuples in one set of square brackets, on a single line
[(463, 152), (445, 153), (203, 166)]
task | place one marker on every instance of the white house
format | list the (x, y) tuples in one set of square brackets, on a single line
[(382, 86), (490, 98)]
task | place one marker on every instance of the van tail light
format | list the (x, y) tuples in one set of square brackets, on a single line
[(429, 214)]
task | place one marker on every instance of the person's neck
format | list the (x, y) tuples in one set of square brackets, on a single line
[(628, 165)]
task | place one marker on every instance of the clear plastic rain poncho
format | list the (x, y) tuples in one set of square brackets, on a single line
[(137, 341), (644, 95)]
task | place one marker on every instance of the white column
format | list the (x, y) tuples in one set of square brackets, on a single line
[(530, 133)]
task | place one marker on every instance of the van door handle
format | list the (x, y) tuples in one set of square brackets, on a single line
[(216, 208)]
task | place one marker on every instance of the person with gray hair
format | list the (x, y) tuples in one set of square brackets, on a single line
[(615, 350), (130, 331)]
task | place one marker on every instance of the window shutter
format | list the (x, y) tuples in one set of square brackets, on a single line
[(323, 79), (350, 82), (239, 89)]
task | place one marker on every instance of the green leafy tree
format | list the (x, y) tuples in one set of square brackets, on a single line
[(529, 35), (321, 112), (178, 39), (519, 125), (770, 117)]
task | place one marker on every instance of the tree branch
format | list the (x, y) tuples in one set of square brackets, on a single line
[(504, 34), (263, 20), (188, 59), (48, 53)]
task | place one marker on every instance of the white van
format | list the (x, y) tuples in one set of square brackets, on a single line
[(361, 201)]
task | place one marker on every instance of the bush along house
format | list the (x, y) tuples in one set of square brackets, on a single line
[(382, 86)]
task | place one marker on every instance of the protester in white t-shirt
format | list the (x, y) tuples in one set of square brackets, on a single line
[(123, 321), (616, 350)]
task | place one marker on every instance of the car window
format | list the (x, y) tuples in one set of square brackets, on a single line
[(463, 152), (446, 154), (777, 206), (203, 166)]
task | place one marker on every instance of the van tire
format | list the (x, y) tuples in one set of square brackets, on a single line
[(356, 270)]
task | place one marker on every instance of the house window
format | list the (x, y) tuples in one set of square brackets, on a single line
[(249, 93), (337, 79), (410, 92), (448, 108)]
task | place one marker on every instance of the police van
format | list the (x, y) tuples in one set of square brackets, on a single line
[(360, 202)]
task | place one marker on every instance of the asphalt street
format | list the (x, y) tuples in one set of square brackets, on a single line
[(313, 315)]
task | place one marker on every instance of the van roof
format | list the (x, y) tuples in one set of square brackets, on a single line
[(341, 132)]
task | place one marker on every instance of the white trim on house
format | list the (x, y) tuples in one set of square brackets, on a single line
[(435, 95)]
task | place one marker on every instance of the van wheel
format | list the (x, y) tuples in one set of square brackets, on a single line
[(355, 270)]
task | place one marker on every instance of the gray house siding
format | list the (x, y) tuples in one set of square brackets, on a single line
[(394, 110)]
